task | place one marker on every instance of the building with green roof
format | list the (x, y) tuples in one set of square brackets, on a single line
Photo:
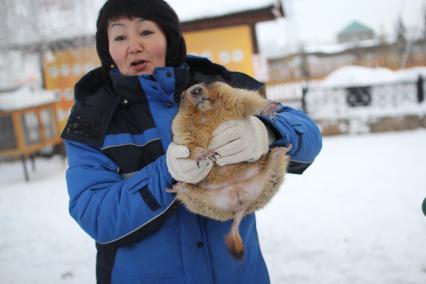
[(355, 31)]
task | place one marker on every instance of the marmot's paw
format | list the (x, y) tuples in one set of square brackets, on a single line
[(171, 190), (277, 152), (207, 154), (280, 150), (270, 109), (178, 187)]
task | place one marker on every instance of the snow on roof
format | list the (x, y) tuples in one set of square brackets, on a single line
[(364, 76), (189, 10), (411, 74), (357, 75), (340, 47), (326, 48), (25, 97)]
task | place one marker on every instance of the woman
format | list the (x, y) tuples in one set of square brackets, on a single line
[(122, 158)]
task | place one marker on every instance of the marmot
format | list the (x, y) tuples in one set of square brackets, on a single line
[(231, 191)]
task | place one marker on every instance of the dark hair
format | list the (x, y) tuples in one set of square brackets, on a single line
[(157, 11)]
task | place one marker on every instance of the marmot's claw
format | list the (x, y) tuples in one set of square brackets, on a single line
[(206, 154), (215, 156), (197, 161), (271, 109)]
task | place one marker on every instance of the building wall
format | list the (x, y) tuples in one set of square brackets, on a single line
[(392, 56), (352, 37)]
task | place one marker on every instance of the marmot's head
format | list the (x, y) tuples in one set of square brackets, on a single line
[(206, 97)]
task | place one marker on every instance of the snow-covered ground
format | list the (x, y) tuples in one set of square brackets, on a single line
[(353, 217)]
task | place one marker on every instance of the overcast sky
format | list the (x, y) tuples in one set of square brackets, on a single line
[(313, 18), (318, 21), (312, 21)]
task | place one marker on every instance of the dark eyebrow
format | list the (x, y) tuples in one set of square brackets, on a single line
[(140, 20), (116, 25)]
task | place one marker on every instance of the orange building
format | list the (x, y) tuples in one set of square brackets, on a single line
[(62, 69)]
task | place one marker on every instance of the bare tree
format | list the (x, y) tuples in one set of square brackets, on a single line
[(304, 63)]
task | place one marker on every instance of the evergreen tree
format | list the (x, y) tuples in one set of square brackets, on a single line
[(424, 20), (401, 31)]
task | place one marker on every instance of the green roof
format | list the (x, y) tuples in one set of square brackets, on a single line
[(355, 27)]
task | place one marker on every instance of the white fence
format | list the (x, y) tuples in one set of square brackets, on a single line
[(357, 109), (392, 99)]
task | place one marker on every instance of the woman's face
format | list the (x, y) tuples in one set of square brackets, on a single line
[(136, 45)]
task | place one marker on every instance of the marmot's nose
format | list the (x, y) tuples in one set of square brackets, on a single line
[(196, 91)]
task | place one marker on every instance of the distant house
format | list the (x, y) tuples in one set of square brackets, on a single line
[(319, 61), (355, 31), (357, 45)]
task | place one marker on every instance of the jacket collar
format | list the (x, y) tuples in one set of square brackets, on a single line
[(203, 70), (171, 80), (194, 70)]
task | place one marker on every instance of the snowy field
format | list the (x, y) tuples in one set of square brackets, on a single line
[(353, 218)]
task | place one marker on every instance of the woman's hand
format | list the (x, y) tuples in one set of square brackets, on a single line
[(183, 169), (240, 141)]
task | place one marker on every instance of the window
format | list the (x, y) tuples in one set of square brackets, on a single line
[(358, 96)]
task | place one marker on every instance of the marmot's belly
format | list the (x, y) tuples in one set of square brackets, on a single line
[(235, 188), (237, 193)]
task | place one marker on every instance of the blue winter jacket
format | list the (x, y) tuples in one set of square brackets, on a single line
[(116, 137)]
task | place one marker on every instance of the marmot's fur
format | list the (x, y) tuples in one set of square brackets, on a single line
[(231, 191)]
